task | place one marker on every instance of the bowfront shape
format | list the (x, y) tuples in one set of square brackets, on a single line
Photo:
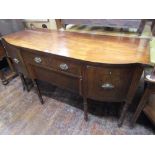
[(102, 68)]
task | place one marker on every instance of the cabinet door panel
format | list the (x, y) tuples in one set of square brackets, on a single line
[(108, 84), (55, 78)]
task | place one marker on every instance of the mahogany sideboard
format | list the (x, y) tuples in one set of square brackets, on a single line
[(99, 67)]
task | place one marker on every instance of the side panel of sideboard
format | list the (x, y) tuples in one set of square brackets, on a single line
[(17, 61)]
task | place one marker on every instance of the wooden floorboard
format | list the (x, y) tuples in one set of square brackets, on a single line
[(21, 113)]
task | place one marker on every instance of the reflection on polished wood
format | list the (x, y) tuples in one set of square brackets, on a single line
[(104, 68), (87, 47)]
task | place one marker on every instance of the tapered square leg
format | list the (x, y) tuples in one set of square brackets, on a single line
[(123, 114), (38, 91), (85, 109), (23, 81), (3, 79)]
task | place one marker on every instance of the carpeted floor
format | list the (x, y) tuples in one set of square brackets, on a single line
[(22, 113)]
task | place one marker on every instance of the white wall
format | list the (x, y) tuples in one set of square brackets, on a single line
[(51, 24)]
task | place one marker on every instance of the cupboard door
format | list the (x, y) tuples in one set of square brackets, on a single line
[(108, 83)]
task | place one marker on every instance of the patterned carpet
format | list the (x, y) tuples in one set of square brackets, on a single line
[(22, 113)]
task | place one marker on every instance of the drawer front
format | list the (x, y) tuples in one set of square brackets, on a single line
[(66, 65), (14, 53), (51, 61), (55, 78), (108, 83), (34, 58)]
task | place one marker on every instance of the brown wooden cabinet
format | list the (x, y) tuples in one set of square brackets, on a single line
[(98, 67)]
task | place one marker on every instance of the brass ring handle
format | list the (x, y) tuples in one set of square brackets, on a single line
[(37, 59), (107, 86), (63, 66), (16, 60)]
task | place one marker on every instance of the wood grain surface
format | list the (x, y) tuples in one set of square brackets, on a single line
[(86, 47)]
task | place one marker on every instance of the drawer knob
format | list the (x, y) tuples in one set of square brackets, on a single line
[(64, 66), (37, 59), (107, 86), (16, 60)]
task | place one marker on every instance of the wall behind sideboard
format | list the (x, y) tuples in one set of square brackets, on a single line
[(37, 23)]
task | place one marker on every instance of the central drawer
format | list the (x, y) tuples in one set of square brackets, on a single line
[(58, 63), (62, 64), (56, 78)]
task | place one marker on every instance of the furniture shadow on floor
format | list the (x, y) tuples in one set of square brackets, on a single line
[(95, 107)]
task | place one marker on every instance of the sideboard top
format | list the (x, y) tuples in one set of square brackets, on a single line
[(87, 47)]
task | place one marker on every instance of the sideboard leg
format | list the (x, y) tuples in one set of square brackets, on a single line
[(38, 91), (3, 79), (85, 109), (26, 85), (140, 107), (23, 81), (123, 114)]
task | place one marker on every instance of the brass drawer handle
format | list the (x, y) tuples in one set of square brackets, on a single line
[(37, 59), (64, 66), (107, 86), (16, 60)]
